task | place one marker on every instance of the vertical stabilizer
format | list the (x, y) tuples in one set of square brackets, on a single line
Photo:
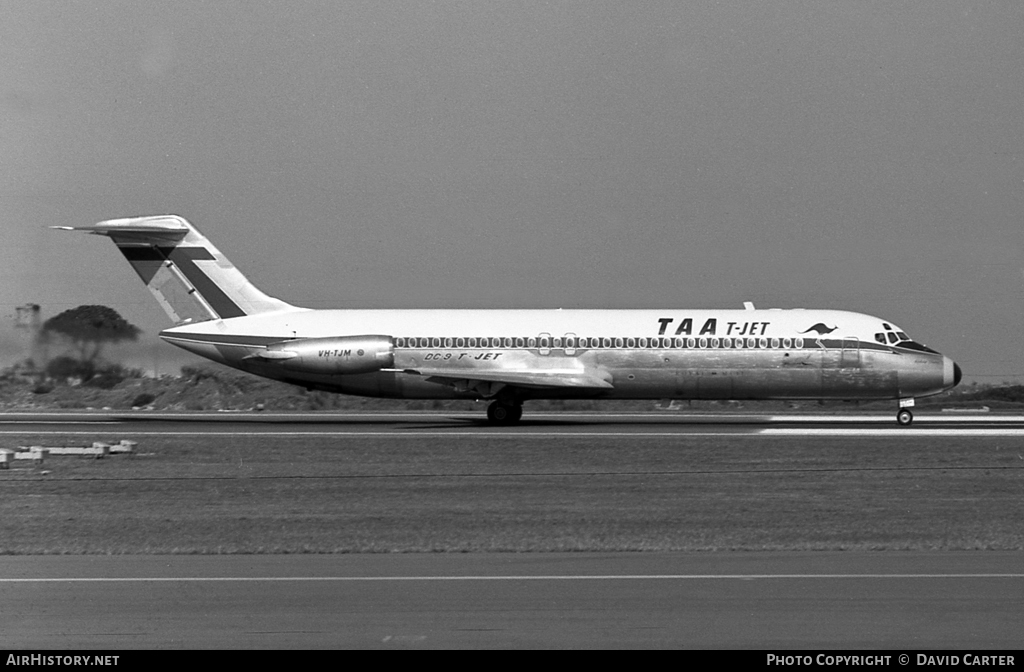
[(186, 273)]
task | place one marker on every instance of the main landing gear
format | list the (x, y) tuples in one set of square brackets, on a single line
[(504, 413)]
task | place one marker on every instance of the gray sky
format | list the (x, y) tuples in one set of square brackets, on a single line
[(866, 156)]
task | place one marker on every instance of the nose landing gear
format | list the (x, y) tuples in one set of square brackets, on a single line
[(504, 412), (905, 417)]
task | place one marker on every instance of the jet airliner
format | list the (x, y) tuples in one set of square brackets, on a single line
[(512, 356)]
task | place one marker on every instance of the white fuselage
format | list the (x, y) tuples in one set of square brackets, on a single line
[(632, 354)]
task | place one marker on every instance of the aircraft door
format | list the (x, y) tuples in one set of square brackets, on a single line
[(850, 357)]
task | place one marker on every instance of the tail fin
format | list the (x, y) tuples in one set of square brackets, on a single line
[(190, 278)]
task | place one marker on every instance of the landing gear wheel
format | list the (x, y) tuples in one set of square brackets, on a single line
[(904, 417), (499, 413)]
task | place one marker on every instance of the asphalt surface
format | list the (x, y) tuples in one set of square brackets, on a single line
[(850, 600), (144, 423), (776, 601)]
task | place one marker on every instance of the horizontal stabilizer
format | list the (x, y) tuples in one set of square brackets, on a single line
[(546, 378), (136, 229)]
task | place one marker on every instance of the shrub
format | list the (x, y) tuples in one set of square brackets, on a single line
[(106, 378), (65, 367), (144, 399)]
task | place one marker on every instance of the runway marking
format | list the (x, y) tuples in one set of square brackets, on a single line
[(893, 431), (769, 432), (60, 422), (522, 577), (903, 432), (392, 433)]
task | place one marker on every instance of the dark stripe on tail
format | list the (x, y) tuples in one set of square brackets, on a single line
[(147, 260)]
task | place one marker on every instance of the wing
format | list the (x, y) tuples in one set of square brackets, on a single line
[(490, 381)]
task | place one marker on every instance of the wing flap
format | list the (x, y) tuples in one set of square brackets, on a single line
[(575, 378)]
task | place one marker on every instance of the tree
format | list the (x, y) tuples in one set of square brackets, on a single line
[(88, 329)]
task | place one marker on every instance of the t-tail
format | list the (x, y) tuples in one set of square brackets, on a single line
[(186, 273)]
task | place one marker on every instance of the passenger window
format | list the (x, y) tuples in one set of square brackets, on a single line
[(508, 341), (691, 342), (799, 343), (618, 342), (787, 343), (775, 343), (520, 342), (715, 343), (448, 342), (472, 342), (435, 342), (630, 342), (531, 342), (703, 342)]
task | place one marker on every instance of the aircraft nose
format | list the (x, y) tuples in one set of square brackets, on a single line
[(951, 373)]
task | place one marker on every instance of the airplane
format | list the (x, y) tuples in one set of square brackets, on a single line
[(512, 356)]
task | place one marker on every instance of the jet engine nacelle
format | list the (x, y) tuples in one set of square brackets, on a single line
[(337, 355)]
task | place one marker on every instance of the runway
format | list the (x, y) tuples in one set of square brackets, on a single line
[(601, 479), (773, 601), (540, 425)]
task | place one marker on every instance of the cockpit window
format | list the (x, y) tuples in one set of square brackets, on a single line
[(900, 338), (911, 345)]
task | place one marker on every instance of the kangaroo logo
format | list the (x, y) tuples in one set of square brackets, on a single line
[(821, 329)]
